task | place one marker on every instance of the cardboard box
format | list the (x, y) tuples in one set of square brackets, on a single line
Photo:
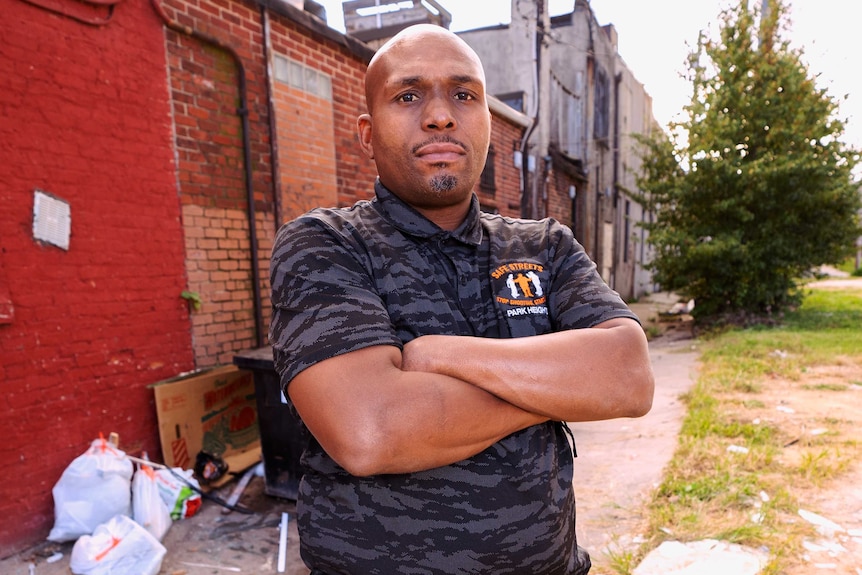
[(213, 410)]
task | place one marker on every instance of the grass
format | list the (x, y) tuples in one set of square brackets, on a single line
[(849, 266), (620, 560), (731, 477)]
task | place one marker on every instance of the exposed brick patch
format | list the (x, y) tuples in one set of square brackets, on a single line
[(219, 271), (305, 120)]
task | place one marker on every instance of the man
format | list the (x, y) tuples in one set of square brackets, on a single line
[(433, 350)]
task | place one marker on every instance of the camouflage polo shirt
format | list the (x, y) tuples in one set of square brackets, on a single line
[(379, 273)]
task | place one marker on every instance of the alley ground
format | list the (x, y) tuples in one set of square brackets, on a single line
[(618, 464), (620, 461)]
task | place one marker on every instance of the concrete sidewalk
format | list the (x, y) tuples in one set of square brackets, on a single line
[(620, 461)]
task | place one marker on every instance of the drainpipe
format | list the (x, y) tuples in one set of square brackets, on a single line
[(527, 190), (530, 183), (618, 78), (273, 140), (242, 112), (590, 102)]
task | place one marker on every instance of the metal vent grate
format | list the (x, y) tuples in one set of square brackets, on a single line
[(52, 220)]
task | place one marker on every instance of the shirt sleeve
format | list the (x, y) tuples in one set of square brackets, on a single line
[(324, 302), (579, 297)]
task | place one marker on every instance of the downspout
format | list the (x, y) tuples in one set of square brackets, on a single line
[(618, 78), (537, 193), (273, 140), (528, 191), (242, 112), (591, 87)]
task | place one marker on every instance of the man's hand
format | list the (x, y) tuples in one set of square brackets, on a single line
[(575, 375)]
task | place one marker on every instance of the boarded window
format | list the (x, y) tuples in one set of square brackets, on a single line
[(488, 181), (601, 128)]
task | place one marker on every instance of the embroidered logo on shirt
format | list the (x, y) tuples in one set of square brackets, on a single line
[(518, 289)]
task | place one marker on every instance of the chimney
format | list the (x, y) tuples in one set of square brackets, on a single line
[(375, 21)]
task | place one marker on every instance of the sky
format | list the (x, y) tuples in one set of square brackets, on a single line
[(656, 36)]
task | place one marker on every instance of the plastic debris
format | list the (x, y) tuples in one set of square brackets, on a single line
[(824, 526), (706, 557), (120, 545), (282, 543)]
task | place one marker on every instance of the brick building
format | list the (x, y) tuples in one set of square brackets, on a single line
[(151, 148)]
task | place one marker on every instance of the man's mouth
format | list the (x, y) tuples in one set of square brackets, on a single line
[(440, 152)]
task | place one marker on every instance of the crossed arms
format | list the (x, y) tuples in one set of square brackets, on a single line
[(446, 398)]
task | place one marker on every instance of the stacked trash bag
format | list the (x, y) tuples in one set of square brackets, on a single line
[(118, 511)]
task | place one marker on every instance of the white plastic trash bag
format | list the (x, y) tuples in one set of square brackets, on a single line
[(148, 509), (179, 490), (93, 488), (119, 546)]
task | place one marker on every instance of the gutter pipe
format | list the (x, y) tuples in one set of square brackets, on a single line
[(528, 192)]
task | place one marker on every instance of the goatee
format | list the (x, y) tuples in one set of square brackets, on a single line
[(441, 184)]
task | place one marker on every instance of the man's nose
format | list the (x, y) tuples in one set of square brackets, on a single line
[(439, 114)]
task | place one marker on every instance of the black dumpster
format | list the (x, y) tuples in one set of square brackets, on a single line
[(282, 438)]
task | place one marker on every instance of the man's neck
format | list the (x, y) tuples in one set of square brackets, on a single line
[(447, 218)]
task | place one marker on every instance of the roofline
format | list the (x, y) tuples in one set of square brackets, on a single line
[(317, 25), (365, 52), (507, 112)]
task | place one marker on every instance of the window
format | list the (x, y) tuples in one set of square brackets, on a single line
[(601, 127), (303, 78), (487, 182), (514, 100), (627, 231)]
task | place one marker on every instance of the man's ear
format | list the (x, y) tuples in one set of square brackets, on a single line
[(363, 126)]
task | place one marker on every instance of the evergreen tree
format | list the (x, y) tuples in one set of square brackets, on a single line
[(762, 190)]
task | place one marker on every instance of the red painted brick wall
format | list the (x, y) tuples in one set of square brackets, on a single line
[(85, 116)]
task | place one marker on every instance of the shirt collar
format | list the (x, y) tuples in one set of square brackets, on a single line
[(408, 220)]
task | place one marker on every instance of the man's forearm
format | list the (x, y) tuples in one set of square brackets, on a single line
[(373, 417), (575, 375)]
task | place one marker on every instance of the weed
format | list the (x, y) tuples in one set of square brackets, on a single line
[(620, 561), (652, 331), (826, 387), (822, 465)]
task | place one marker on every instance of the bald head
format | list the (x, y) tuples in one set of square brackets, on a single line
[(428, 125), (416, 42)]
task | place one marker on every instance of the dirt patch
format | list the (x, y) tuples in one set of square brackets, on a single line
[(819, 424)]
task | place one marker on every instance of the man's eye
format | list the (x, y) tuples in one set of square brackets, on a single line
[(463, 96), (407, 98)]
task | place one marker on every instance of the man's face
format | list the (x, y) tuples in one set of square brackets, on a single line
[(429, 126)]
